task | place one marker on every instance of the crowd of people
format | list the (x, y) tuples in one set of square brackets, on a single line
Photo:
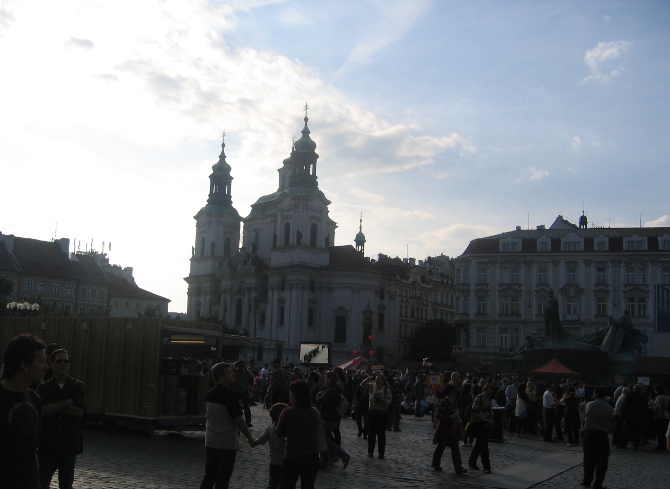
[(306, 408)]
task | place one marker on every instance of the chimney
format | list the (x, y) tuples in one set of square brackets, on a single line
[(64, 244), (128, 275)]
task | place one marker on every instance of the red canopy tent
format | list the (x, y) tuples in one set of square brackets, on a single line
[(357, 363), (554, 367)]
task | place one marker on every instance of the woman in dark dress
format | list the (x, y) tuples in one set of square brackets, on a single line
[(447, 432), (571, 401)]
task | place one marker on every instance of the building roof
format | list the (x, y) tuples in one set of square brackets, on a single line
[(347, 257), (120, 287), (45, 258), (88, 270), (7, 263)]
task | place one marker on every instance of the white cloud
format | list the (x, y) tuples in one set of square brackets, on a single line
[(663, 221), (600, 58), (394, 20)]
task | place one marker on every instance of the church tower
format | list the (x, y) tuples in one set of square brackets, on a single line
[(360, 237), (291, 226), (217, 238)]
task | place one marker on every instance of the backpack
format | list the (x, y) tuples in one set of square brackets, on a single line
[(343, 406)]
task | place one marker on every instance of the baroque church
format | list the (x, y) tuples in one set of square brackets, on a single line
[(287, 283)]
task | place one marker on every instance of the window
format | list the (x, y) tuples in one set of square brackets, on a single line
[(601, 275), (571, 274), (202, 246), (28, 286), (287, 233), (481, 304), (82, 311), (507, 247), (503, 337), (481, 336), (41, 286), (68, 289), (665, 245), (281, 315), (504, 305), (514, 337), (159, 308), (55, 288), (636, 245), (572, 246), (138, 306), (311, 313), (514, 304), (340, 329), (636, 275), (665, 275), (466, 305), (312, 235), (380, 321), (83, 293), (514, 275), (94, 293), (103, 294), (571, 309), (482, 275), (541, 304), (542, 275), (116, 303), (543, 246), (505, 276), (126, 305), (601, 306), (458, 307), (601, 245), (637, 306)]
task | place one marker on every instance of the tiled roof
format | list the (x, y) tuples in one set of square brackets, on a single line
[(43, 258), (7, 263), (347, 257), (88, 270), (120, 287)]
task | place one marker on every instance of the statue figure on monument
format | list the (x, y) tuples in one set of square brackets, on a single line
[(553, 329)]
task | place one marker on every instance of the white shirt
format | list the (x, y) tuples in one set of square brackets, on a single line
[(548, 400)]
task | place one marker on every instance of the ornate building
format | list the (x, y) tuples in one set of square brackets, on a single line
[(287, 283), (504, 282)]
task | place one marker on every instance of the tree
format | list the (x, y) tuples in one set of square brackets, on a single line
[(6, 288), (433, 339)]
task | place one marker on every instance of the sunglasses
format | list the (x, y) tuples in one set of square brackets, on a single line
[(62, 361)]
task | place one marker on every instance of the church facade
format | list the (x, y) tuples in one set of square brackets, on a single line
[(284, 282)]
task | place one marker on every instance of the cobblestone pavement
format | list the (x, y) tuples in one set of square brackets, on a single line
[(120, 459)]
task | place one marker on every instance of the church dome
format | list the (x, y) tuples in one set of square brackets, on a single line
[(305, 143)]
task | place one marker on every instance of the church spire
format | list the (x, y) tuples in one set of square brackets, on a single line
[(220, 181), (360, 237)]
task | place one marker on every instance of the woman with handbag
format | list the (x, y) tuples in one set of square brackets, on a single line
[(448, 431), (479, 426)]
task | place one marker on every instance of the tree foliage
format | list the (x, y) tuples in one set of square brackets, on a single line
[(434, 339)]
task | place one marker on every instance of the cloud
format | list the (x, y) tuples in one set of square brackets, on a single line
[(663, 221), (85, 44), (394, 20), (600, 58)]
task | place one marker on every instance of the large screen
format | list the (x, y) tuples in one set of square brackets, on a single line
[(314, 353)]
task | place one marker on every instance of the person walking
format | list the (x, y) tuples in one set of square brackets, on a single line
[(224, 419), (379, 402), (244, 379), (300, 425), (328, 399), (597, 422), (482, 414), (447, 432)]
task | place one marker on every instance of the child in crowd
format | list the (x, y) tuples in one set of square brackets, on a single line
[(276, 446)]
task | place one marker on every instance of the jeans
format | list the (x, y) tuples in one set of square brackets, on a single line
[(304, 467), (377, 428), (219, 465), (333, 448), (244, 399), (65, 465)]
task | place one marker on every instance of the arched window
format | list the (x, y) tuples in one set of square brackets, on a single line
[(312, 235), (340, 329), (226, 248), (202, 246), (287, 234), (257, 241), (238, 313)]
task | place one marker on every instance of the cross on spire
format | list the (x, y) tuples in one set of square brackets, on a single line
[(306, 107), (223, 137)]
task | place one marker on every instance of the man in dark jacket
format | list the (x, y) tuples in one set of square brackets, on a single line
[(63, 405)]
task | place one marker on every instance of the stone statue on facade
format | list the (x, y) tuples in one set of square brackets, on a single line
[(553, 329)]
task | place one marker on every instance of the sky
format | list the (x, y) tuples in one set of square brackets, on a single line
[(439, 121)]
